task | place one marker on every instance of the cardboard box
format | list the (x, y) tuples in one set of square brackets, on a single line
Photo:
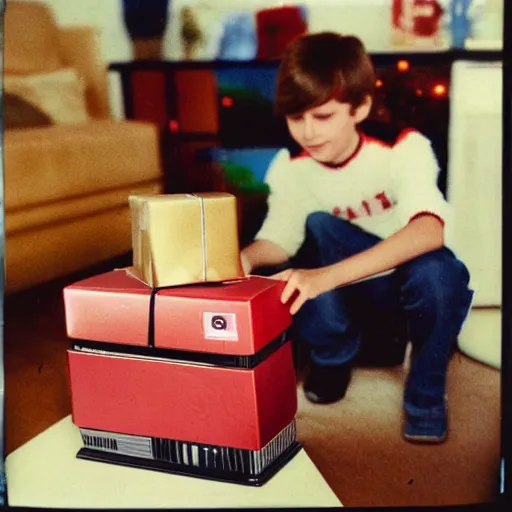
[(181, 239), (117, 308)]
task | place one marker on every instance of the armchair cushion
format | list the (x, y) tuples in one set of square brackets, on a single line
[(44, 165)]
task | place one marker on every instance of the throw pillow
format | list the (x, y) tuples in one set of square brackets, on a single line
[(59, 94)]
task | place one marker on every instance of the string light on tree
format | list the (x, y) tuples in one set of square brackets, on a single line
[(403, 65), (439, 90)]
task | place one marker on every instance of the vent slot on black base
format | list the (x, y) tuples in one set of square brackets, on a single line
[(193, 459)]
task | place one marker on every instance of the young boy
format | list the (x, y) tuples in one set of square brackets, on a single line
[(373, 210)]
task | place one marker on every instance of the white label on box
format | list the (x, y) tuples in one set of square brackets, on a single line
[(220, 326)]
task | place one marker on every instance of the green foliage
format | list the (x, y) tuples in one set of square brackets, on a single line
[(243, 95), (243, 179)]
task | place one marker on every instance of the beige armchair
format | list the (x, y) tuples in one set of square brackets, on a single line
[(69, 167)]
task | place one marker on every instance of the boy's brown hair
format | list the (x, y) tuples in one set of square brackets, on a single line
[(316, 68)]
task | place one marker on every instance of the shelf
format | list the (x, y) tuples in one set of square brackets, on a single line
[(478, 51)]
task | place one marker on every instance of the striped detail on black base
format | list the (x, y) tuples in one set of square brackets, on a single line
[(133, 446), (203, 456)]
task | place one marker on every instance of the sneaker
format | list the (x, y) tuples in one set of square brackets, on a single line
[(433, 430), (327, 384)]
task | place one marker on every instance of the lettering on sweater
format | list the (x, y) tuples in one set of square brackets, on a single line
[(377, 204)]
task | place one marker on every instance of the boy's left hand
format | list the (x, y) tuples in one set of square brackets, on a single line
[(308, 283)]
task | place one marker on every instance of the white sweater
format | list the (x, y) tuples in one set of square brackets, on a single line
[(380, 189)]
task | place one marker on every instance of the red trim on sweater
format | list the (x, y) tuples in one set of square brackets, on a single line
[(424, 213), (363, 139), (403, 134), (335, 167)]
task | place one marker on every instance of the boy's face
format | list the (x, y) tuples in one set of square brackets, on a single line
[(327, 132)]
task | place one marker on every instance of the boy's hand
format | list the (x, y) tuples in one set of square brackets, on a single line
[(307, 283)]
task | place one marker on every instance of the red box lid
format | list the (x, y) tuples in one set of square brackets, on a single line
[(236, 318)]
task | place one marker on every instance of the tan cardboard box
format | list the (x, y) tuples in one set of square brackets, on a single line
[(185, 238)]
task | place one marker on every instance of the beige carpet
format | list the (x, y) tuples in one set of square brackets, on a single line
[(356, 444)]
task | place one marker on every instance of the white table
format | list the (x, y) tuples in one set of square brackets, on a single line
[(46, 473)]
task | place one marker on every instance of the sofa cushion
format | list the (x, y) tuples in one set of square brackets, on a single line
[(68, 210), (18, 113), (59, 94), (43, 165), (30, 39), (36, 256)]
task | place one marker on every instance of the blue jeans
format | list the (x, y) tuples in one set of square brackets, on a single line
[(430, 291)]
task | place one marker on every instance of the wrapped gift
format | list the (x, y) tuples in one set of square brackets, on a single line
[(182, 239), (196, 380)]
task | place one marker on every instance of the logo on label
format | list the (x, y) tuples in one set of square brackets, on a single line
[(220, 326)]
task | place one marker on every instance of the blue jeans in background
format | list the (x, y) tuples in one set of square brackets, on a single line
[(430, 291)]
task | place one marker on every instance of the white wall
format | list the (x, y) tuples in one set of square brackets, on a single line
[(475, 174)]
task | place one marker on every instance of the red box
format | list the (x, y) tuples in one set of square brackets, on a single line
[(236, 389), (114, 307), (231, 407)]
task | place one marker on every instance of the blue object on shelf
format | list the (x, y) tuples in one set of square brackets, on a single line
[(461, 23), (239, 41), (256, 159)]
